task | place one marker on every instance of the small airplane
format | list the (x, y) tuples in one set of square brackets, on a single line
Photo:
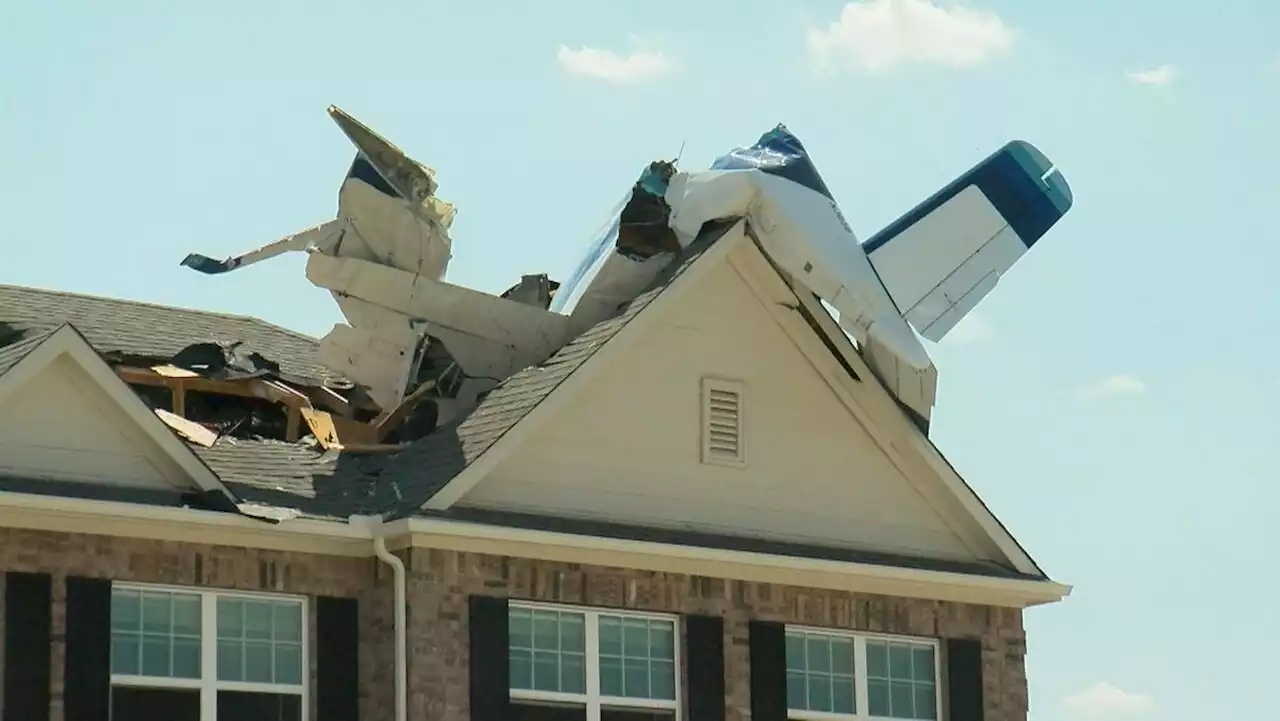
[(385, 255)]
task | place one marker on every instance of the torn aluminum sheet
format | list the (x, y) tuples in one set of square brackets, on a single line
[(627, 254)]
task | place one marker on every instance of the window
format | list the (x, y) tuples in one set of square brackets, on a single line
[(569, 664), (722, 435), (196, 655), (833, 675)]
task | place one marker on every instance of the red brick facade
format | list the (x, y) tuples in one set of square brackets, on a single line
[(440, 583)]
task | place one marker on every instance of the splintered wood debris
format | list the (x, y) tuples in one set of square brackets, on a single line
[(247, 403)]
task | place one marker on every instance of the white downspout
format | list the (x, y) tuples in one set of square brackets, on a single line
[(373, 525)]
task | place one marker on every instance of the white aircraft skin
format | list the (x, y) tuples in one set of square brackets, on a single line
[(385, 255)]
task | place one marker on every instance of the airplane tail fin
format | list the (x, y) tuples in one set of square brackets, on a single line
[(945, 255)]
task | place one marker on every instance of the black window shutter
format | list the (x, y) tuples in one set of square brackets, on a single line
[(28, 623), (964, 679), (489, 670), (87, 672), (337, 659), (704, 655), (768, 644)]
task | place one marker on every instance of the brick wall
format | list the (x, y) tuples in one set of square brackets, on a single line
[(182, 564), (440, 583)]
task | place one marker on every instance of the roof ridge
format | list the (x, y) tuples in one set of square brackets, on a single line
[(158, 306)]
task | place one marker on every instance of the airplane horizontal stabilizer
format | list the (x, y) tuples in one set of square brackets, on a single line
[(941, 258), (317, 235)]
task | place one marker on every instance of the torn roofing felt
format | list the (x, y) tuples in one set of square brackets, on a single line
[(128, 328)]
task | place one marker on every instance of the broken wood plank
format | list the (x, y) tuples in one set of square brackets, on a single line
[(169, 371), (334, 432), (330, 399), (189, 430), (388, 420)]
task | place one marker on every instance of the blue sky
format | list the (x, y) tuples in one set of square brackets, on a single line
[(1113, 400)]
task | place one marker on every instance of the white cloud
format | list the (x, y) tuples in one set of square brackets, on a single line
[(1102, 701), (1157, 77), (973, 328), (1116, 385), (877, 35), (611, 67)]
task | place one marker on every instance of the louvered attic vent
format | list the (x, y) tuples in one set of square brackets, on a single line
[(722, 422)]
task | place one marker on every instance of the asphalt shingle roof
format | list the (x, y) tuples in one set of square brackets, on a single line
[(12, 354), (114, 326)]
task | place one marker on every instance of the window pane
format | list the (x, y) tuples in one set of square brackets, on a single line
[(795, 652), (520, 663), (842, 656), (129, 703), (288, 667), (878, 698), (899, 661), (842, 695), (662, 641), (922, 664), (819, 692), (258, 620), (230, 618), (572, 633), (126, 653), (901, 699), (662, 679), (520, 628), (288, 622), (186, 657), (635, 676), (257, 662), (797, 690), (244, 706), (818, 653), (126, 610), (155, 613), (186, 616), (610, 636), (155, 655), (877, 659), (635, 637), (926, 703), (546, 631), (610, 676), (546, 671), (230, 661), (573, 677)]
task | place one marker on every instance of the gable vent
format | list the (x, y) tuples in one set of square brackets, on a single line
[(722, 422)]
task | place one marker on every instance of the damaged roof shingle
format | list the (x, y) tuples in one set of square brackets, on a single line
[(131, 328), (12, 354)]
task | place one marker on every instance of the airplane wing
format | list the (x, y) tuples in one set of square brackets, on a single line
[(317, 235), (941, 258)]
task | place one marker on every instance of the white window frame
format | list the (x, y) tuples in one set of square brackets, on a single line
[(208, 683), (592, 699), (861, 706)]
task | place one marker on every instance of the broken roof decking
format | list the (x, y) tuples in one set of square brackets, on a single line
[(130, 328)]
